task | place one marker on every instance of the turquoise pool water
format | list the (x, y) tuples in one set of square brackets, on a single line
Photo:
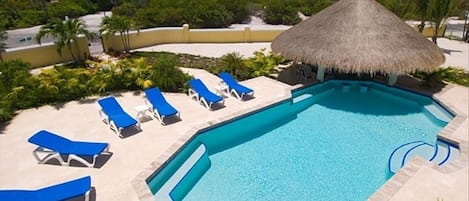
[(330, 142)]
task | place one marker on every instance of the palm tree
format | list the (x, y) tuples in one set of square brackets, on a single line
[(438, 11), (118, 24), (66, 33), (3, 37), (422, 7)]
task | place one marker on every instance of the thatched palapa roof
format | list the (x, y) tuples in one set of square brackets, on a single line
[(359, 36)]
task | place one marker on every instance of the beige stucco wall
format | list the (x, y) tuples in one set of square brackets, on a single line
[(46, 54), (183, 34), (145, 38)]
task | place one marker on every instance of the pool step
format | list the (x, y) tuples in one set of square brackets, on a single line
[(438, 112), (301, 98), (440, 153)]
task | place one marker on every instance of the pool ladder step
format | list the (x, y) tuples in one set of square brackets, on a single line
[(440, 153)]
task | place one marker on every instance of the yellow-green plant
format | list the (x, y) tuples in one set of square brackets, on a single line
[(449, 74), (263, 65)]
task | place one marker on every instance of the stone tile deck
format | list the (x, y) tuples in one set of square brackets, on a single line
[(120, 176)]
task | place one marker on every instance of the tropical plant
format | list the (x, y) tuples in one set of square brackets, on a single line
[(119, 24), (263, 65), (234, 64), (3, 37), (162, 73), (66, 34), (438, 11), (449, 74)]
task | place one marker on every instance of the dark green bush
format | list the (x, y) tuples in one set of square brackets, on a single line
[(449, 74), (30, 18), (125, 9), (238, 8), (281, 12), (163, 73), (60, 10), (310, 7), (234, 64)]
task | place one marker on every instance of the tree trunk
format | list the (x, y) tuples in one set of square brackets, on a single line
[(123, 40), (435, 33), (421, 26), (77, 47), (71, 52), (128, 39)]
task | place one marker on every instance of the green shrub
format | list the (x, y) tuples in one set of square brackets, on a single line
[(263, 65), (6, 111), (125, 9), (31, 17), (238, 8), (449, 74), (163, 73), (60, 10), (310, 7), (234, 64), (281, 12)]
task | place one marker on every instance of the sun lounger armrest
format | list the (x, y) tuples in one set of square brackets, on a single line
[(103, 116), (193, 94)]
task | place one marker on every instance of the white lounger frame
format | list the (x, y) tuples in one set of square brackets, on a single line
[(158, 115), (240, 97), (194, 95), (234, 92), (103, 116), (55, 155)]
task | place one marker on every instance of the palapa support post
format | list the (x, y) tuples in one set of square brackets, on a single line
[(392, 78), (320, 74)]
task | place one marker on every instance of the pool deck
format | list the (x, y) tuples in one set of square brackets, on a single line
[(79, 120), (119, 177)]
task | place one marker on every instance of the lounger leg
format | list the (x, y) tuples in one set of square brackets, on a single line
[(159, 117), (236, 94), (82, 160), (50, 155), (118, 131), (87, 195), (206, 105), (103, 117)]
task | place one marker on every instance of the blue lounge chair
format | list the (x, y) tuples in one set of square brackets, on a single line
[(112, 113), (55, 146), (200, 92), (63, 191), (237, 90), (158, 104)]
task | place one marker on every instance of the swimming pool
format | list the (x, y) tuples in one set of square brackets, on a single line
[(331, 141)]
